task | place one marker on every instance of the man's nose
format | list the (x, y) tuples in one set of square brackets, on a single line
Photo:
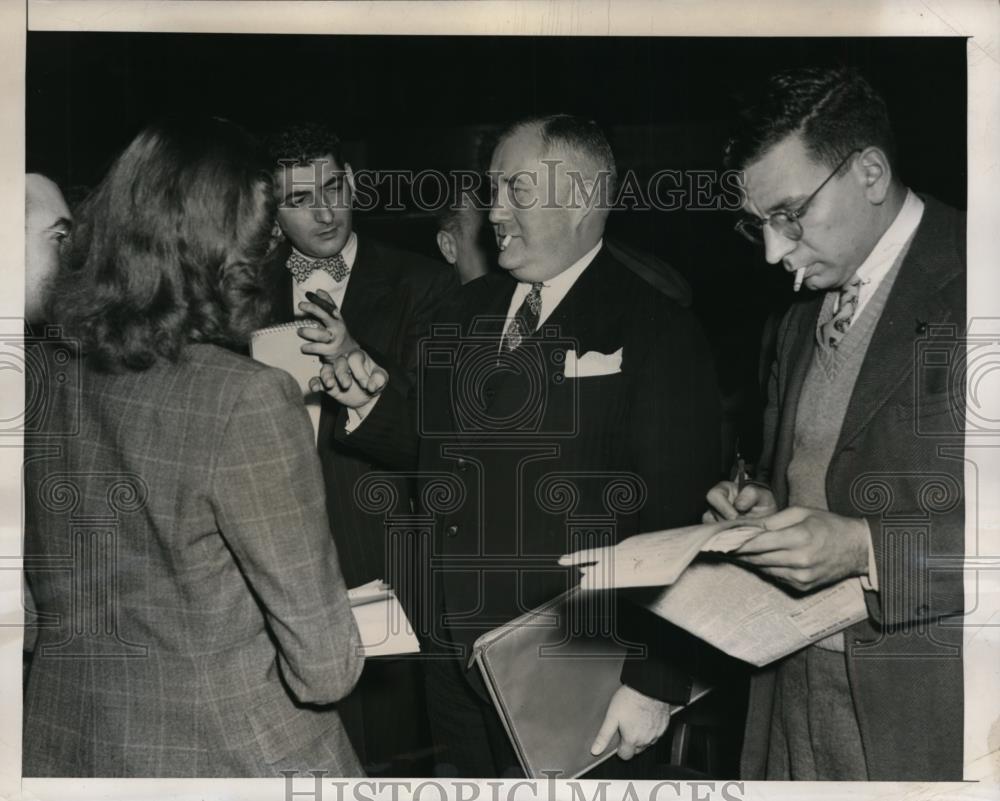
[(498, 211), (323, 213), (776, 246)]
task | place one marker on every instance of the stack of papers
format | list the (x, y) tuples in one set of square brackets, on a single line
[(658, 558), (735, 609), (385, 630)]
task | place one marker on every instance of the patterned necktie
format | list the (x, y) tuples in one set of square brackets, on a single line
[(302, 268), (525, 320), (833, 330)]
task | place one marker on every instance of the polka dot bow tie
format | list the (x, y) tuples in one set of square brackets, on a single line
[(302, 268)]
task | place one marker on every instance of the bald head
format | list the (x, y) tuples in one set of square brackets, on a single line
[(47, 223)]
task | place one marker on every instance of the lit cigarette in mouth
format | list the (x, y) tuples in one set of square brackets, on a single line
[(799, 275), (505, 241)]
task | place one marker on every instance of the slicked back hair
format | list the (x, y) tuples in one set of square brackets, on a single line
[(834, 110), (578, 135)]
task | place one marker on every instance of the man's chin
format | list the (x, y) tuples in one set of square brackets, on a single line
[(508, 263), (521, 272), (323, 250)]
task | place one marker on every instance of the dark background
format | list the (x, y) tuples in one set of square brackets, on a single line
[(420, 102)]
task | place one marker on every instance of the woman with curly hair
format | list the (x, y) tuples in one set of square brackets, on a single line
[(192, 616)]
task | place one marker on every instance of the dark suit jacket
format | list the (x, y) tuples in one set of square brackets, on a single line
[(898, 463), (520, 463), (390, 300), (194, 618)]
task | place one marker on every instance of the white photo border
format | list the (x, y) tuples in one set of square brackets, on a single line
[(979, 20)]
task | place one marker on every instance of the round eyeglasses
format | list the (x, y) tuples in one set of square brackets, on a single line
[(787, 221)]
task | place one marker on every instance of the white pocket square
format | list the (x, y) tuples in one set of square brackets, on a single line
[(592, 363)]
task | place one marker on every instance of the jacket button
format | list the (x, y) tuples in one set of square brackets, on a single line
[(451, 531)]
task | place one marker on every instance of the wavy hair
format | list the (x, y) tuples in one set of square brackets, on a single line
[(166, 250), (834, 109)]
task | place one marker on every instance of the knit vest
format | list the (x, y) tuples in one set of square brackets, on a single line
[(823, 402)]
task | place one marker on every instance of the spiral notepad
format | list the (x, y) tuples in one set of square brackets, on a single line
[(279, 346)]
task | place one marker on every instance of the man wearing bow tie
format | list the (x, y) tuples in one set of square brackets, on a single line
[(863, 439), (563, 376), (386, 298)]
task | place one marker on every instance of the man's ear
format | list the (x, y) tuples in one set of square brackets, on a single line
[(875, 172), (349, 174), (448, 247), (585, 199)]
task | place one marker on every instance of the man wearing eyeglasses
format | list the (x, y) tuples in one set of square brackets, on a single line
[(848, 485)]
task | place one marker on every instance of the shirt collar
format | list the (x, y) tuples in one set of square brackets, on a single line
[(878, 263), (349, 251), (560, 284), (557, 287)]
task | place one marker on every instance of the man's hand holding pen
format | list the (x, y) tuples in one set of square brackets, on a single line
[(349, 374), (802, 548), (739, 497), (729, 500)]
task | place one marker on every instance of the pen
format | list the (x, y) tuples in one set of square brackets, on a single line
[(741, 474)]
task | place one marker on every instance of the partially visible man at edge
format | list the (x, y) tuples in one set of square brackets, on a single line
[(47, 224)]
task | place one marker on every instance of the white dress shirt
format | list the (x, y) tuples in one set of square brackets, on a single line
[(878, 263), (553, 290), (321, 279)]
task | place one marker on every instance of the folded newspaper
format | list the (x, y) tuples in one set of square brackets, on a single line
[(723, 603)]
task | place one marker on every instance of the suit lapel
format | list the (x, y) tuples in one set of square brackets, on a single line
[(364, 305), (591, 302), (578, 321), (480, 319), (802, 336), (914, 299)]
